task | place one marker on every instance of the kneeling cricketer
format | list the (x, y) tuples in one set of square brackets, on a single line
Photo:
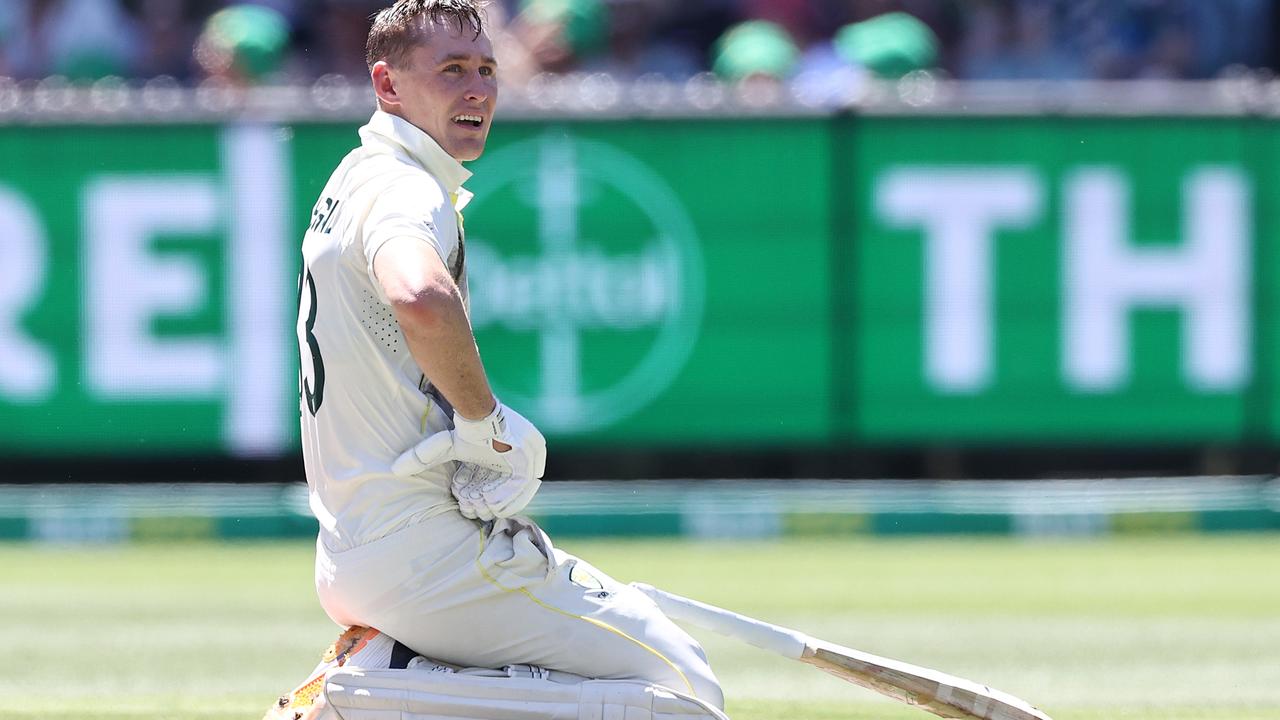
[(416, 472)]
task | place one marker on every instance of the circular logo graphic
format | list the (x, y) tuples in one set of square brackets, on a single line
[(586, 280)]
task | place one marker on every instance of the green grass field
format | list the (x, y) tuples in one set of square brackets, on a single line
[(1155, 628)]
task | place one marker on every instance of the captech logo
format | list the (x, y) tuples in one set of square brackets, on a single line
[(587, 264)]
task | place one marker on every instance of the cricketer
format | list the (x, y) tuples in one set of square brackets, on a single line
[(416, 472)]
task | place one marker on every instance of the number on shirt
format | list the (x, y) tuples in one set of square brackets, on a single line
[(310, 393)]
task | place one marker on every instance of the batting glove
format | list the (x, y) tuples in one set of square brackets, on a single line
[(485, 494), (471, 442)]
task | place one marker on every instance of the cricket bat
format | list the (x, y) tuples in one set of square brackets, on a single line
[(937, 692)]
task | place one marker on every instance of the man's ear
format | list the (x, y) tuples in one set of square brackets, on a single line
[(383, 84)]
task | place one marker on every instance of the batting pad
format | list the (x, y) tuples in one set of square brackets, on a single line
[(356, 694)]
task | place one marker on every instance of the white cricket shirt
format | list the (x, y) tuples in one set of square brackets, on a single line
[(363, 398)]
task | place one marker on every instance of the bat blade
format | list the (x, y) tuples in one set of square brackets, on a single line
[(937, 692)]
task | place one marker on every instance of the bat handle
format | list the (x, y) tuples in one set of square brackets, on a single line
[(766, 636)]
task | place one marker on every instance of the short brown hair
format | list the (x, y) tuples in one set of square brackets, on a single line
[(396, 29)]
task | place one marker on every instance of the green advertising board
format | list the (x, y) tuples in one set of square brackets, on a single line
[(147, 290), (658, 284), (771, 282), (632, 283), (1062, 280)]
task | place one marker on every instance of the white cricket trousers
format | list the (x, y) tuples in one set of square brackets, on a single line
[(452, 590)]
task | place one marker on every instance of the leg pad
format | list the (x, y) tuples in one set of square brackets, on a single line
[(355, 694)]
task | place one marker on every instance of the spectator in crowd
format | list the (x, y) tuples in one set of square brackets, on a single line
[(1109, 39), (330, 37), (167, 32), (636, 48), (888, 46), (242, 44), (552, 36), (755, 50), (79, 39)]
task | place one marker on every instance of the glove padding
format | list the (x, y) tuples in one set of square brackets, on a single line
[(515, 472), (485, 494)]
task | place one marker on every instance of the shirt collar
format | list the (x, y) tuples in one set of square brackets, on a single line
[(390, 130)]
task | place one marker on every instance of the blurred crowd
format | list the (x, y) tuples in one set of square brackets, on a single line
[(257, 41)]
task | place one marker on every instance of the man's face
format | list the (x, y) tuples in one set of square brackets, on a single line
[(447, 86)]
